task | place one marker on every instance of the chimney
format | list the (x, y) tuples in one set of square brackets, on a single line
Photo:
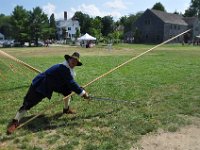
[(65, 15)]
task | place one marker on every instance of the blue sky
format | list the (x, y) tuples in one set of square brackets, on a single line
[(115, 8)]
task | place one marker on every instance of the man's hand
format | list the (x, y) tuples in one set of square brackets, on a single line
[(86, 96)]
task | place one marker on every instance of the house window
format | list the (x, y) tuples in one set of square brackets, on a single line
[(175, 27), (179, 27), (147, 22), (69, 28), (171, 26)]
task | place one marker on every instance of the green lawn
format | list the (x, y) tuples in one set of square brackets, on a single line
[(165, 84)]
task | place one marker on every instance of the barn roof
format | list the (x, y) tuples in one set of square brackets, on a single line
[(169, 17)]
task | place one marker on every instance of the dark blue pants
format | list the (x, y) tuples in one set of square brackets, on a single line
[(33, 97)]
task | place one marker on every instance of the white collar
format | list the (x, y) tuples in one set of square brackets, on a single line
[(65, 63)]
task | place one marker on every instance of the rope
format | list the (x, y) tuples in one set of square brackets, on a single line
[(103, 75)]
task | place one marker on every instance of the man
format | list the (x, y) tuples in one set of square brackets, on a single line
[(58, 78)]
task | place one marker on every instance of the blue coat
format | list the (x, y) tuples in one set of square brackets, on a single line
[(57, 78)]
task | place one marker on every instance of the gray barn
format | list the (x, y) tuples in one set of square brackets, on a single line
[(157, 26)]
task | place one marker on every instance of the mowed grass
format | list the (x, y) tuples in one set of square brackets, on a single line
[(164, 84)]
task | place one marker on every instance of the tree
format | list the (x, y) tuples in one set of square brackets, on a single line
[(176, 12), (19, 21), (5, 26), (77, 33), (190, 12), (194, 9), (159, 6), (116, 36), (108, 25), (96, 28), (128, 22), (64, 33), (39, 25), (52, 25), (84, 21)]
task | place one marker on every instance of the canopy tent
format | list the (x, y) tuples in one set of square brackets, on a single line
[(86, 37), (198, 36)]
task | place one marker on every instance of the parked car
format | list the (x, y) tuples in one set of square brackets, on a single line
[(1, 43), (8, 43), (40, 43), (17, 44)]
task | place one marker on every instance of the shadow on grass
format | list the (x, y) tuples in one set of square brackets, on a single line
[(42, 122), (59, 120)]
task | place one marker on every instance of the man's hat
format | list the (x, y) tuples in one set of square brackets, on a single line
[(76, 56)]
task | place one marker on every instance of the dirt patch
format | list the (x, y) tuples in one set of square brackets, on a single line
[(187, 138)]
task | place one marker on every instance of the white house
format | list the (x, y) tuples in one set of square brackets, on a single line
[(70, 26), (1, 36)]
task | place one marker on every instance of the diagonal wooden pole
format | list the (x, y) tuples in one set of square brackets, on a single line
[(103, 75), (20, 62)]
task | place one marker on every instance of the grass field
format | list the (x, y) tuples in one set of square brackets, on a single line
[(164, 84)]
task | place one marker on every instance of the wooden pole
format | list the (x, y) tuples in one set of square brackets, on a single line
[(19, 61)]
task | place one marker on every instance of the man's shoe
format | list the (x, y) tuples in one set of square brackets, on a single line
[(12, 126), (68, 111)]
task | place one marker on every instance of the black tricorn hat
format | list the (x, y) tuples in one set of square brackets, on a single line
[(76, 56)]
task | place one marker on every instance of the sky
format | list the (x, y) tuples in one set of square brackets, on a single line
[(115, 8)]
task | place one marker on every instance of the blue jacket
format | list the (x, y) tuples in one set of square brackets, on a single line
[(57, 78)]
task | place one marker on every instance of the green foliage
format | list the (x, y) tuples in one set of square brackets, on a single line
[(30, 26), (114, 37), (108, 25), (190, 12), (84, 21), (39, 27), (77, 33), (64, 34), (158, 6), (96, 28), (20, 23), (52, 25), (128, 22), (193, 10), (6, 26)]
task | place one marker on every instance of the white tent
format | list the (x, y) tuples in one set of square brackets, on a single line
[(198, 36), (86, 37)]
